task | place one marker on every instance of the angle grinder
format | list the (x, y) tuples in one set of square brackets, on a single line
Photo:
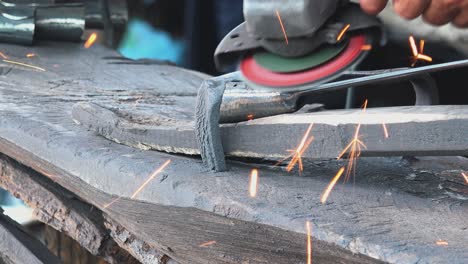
[(292, 43)]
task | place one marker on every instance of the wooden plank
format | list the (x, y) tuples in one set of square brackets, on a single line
[(61, 210), (178, 232), (385, 214), (143, 251), (17, 246)]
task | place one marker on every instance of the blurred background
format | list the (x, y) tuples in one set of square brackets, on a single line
[(180, 31)]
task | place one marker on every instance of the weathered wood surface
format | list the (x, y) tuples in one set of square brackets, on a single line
[(393, 212), (425, 130), (61, 210), (179, 231), (16, 246)]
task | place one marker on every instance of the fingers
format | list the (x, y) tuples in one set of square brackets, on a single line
[(411, 9), (373, 7), (435, 12), (461, 20), (441, 12)]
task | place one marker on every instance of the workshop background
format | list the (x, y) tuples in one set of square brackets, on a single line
[(186, 33)]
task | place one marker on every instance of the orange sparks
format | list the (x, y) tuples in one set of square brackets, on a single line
[(3, 55), (111, 203), (90, 41), (465, 177), (45, 173), (309, 243), (385, 130), (418, 55), (364, 106), (366, 47), (30, 55), (150, 178), (25, 65), (282, 27), (441, 242), (424, 57), (421, 46), (330, 186), (343, 32), (253, 186), (353, 148), (299, 151), (413, 46), (207, 244)]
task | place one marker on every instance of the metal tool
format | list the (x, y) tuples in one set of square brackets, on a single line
[(279, 75), (22, 22), (17, 25)]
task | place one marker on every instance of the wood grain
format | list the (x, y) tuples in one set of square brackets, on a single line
[(62, 211)]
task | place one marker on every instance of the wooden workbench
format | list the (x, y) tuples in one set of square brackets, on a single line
[(394, 211)]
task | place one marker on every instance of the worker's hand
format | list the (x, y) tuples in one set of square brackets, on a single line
[(436, 12)]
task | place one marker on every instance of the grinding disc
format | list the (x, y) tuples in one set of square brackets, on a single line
[(277, 63), (255, 73)]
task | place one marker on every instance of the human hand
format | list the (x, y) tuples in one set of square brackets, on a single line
[(436, 12)]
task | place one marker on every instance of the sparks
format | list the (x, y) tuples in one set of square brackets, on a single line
[(282, 27), (353, 148), (342, 32), (385, 130), (111, 203), (46, 174), (30, 55), (3, 55), (25, 65), (297, 153), (413, 46), (150, 178), (253, 186), (207, 244), (441, 242), (309, 243), (421, 45), (330, 186), (418, 54), (424, 57), (465, 177), (366, 47), (90, 41)]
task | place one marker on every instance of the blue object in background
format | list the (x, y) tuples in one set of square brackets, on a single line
[(142, 41)]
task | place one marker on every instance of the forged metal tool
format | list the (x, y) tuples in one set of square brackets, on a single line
[(229, 98)]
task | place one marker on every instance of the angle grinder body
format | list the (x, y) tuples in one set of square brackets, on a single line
[(292, 43)]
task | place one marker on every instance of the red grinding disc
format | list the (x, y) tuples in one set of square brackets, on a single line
[(259, 75)]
